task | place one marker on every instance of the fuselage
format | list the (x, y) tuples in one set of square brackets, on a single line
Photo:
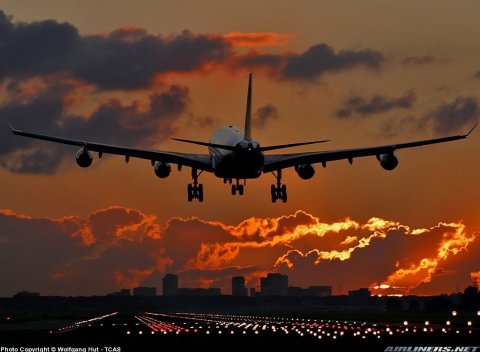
[(242, 163)]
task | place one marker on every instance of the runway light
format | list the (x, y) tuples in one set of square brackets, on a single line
[(469, 323), (405, 323), (448, 322), (454, 313), (427, 323)]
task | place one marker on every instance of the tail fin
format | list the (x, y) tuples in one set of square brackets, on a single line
[(248, 113)]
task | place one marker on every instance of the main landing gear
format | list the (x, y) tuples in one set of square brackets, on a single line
[(195, 190), (236, 187), (278, 190)]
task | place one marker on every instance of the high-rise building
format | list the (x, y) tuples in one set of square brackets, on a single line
[(274, 285), (238, 286), (170, 285)]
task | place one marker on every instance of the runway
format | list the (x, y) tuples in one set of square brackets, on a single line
[(145, 330)]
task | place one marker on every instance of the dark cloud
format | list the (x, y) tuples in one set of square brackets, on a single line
[(419, 60), (377, 104), (202, 121), (264, 114), (112, 122), (130, 58), (477, 74), (321, 58), (124, 59), (446, 118), (312, 63), (74, 256)]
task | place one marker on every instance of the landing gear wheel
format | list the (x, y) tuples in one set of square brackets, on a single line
[(234, 190), (283, 193), (200, 193), (195, 190), (278, 190), (273, 191), (240, 189), (190, 192)]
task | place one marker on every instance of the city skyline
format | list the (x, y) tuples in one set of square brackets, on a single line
[(356, 74)]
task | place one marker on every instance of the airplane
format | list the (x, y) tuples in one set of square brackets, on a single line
[(235, 155)]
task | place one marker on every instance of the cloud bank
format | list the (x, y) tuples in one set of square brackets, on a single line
[(117, 247)]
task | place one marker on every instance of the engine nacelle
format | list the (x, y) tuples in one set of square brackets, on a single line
[(161, 169), (305, 171), (84, 158), (388, 161)]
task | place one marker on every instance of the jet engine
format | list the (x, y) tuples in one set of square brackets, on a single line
[(305, 171), (84, 157), (388, 161), (161, 169)]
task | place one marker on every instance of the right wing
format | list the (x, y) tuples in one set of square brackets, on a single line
[(281, 161), (196, 161)]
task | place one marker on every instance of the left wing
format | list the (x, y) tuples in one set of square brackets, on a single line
[(281, 161), (197, 161)]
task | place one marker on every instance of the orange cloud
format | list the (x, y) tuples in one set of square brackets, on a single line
[(475, 276), (258, 39), (133, 225), (454, 240), (9, 212), (120, 247)]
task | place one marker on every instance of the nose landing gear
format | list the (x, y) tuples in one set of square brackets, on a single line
[(238, 188)]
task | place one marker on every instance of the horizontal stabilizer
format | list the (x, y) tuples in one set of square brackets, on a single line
[(260, 149), (206, 144), (282, 146)]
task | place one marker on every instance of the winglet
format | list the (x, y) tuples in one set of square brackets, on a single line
[(471, 129), (9, 124), (248, 112)]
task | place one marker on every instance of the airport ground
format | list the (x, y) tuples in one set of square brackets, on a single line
[(144, 331)]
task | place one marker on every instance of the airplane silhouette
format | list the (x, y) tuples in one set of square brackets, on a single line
[(235, 155)]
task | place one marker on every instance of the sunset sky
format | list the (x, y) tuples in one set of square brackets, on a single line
[(359, 73)]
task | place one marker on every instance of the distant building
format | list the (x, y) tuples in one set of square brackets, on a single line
[(170, 285), (274, 285), (238, 286), (124, 292), (145, 291), (360, 293), (27, 294), (213, 291), (319, 291), (314, 291), (360, 296)]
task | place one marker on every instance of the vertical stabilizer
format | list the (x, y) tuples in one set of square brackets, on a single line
[(248, 113)]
